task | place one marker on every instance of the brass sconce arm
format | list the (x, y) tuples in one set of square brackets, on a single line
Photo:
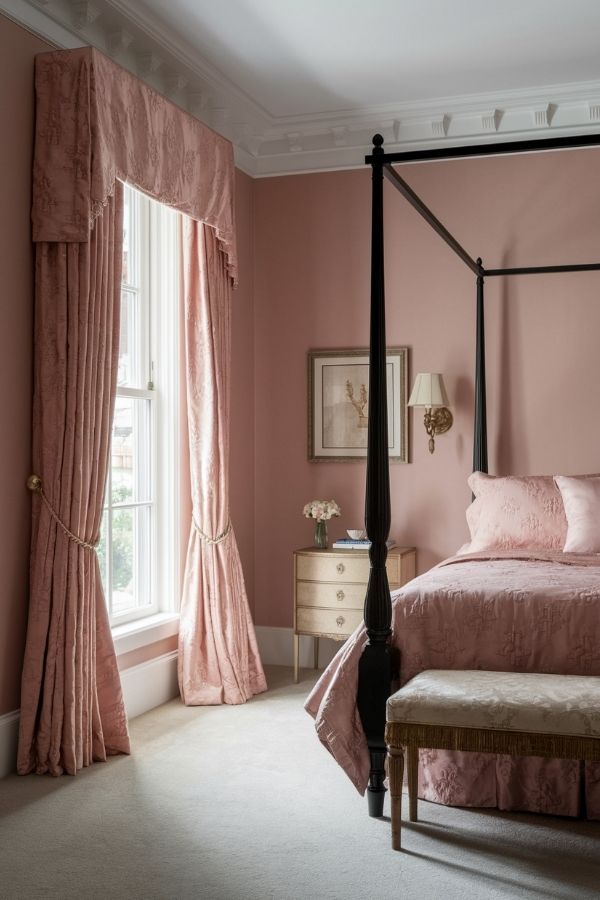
[(437, 421)]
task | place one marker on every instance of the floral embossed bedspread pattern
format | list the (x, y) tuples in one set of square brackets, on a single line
[(508, 611)]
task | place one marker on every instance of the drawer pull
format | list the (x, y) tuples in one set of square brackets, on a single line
[(340, 620), (341, 568), (340, 595)]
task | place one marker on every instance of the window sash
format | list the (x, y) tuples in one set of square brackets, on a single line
[(153, 276)]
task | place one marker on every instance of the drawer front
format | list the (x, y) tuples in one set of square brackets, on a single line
[(348, 569), (327, 621), (341, 596)]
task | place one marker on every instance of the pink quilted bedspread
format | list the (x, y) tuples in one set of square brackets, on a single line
[(506, 611)]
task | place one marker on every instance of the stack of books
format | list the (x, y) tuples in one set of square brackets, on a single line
[(351, 544)]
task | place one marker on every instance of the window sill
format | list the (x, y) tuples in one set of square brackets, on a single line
[(144, 631)]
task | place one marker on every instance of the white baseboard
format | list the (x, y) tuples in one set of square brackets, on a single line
[(277, 649), (9, 735), (150, 684), (144, 686)]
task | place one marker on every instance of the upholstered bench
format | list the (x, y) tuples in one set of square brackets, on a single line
[(521, 714)]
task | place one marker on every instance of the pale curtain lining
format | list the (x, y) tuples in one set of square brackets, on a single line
[(218, 659)]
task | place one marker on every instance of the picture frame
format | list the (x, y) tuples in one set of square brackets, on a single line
[(338, 390)]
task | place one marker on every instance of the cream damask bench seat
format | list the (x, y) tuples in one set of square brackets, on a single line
[(522, 714)]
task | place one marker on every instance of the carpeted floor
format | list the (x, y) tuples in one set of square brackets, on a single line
[(242, 802)]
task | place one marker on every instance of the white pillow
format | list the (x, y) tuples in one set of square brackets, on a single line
[(581, 499)]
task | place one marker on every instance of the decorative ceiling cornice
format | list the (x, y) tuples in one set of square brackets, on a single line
[(267, 145)]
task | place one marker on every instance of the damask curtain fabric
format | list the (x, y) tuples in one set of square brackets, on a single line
[(218, 656), (96, 124), (72, 709)]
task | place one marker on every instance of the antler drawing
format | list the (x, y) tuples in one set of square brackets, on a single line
[(359, 405)]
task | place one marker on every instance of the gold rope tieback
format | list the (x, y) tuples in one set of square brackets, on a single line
[(207, 538), (34, 483)]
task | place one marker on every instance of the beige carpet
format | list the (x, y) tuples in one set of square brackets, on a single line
[(243, 802)]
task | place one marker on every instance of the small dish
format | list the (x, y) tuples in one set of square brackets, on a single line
[(357, 534)]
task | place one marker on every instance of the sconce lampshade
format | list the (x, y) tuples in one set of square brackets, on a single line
[(428, 391)]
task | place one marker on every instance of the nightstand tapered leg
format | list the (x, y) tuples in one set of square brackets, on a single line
[(296, 655), (316, 651)]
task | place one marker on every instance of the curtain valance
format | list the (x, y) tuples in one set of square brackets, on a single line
[(98, 123)]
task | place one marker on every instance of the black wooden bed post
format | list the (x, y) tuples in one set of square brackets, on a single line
[(480, 456), (375, 667), (376, 664)]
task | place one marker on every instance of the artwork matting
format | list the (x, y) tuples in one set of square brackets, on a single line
[(338, 386)]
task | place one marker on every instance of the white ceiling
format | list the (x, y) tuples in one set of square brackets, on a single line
[(301, 85), (308, 57)]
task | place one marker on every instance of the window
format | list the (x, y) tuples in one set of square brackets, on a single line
[(138, 550)]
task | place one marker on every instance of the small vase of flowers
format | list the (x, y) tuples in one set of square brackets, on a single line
[(321, 511)]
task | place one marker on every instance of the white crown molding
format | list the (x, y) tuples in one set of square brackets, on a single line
[(34, 18), (267, 145)]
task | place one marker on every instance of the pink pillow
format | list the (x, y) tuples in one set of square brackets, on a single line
[(581, 498), (516, 513)]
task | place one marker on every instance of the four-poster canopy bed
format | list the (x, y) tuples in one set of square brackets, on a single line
[(372, 654)]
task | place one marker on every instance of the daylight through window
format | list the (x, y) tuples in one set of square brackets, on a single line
[(138, 545)]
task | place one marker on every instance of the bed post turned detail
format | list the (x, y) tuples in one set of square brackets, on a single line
[(375, 667), (480, 457)]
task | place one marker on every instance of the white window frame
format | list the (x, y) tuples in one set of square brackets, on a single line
[(157, 235)]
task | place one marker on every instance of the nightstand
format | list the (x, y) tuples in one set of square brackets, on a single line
[(330, 588)]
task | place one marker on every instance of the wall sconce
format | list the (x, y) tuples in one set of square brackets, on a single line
[(430, 394)]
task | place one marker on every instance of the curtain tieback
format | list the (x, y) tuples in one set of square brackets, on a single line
[(34, 483), (207, 538)]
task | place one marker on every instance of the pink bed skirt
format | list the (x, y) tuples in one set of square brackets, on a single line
[(518, 612)]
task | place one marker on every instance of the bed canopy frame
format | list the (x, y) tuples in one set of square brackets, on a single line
[(377, 666)]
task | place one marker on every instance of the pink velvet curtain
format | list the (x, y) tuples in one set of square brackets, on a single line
[(218, 656), (96, 123), (72, 709)]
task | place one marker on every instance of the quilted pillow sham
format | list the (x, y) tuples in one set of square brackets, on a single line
[(581, 499), (516, 512)]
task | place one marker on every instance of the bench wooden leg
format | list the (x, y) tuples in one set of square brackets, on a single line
[(412, 764), (395, 760)]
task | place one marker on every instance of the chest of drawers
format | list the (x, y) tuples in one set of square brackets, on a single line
[(330, 588)]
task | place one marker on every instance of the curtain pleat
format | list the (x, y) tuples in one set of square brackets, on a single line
[(218, 656), (72, 710)]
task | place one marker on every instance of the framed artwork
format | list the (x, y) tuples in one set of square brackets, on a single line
[(338, 404)]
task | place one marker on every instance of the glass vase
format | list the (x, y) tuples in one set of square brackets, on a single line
[(321, 535)]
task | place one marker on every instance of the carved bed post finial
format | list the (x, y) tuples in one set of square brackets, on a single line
[(377, 144)]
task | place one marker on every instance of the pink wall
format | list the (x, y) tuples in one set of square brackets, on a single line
[(17, 49), (312, 236), (242, 383)]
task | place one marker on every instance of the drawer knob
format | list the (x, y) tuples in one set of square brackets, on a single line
[(340, 620), (340, 595), (341, 568)]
